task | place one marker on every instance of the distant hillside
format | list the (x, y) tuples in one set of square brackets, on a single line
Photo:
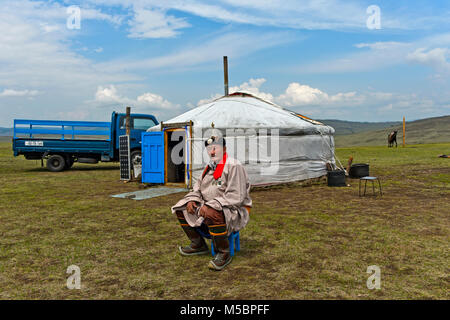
[(350, 127), (428, 130), (6, 132)]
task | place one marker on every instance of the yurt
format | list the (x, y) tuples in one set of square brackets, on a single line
[(274, 144)]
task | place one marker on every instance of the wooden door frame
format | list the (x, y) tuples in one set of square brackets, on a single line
[(170, 127)]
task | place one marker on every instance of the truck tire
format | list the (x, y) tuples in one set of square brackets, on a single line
[(56, 163), (69, 162), (135, 157)]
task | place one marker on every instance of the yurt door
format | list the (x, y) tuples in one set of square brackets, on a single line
[(153, 157), (175, 152)]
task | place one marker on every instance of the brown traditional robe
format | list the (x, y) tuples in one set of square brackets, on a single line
[(230, 193)]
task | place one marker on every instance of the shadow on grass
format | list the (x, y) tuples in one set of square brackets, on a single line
[(42, 169)]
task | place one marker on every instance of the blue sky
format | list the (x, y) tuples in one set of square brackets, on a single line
[(324, 59)]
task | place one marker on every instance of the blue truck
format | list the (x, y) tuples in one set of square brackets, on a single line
[(62, 143)]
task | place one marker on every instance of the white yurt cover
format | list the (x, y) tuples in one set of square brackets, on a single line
[(274, 144)]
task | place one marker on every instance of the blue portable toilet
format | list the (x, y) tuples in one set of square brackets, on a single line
[(153, 157)]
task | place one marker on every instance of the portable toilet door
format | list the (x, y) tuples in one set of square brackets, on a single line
[(153, 158)]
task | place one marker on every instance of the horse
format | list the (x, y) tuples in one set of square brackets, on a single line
[(392, 137)]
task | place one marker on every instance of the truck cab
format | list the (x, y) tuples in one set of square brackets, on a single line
[(138, 123)]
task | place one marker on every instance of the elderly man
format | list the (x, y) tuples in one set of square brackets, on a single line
[(220, 200)]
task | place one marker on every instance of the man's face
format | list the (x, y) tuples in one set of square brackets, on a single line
[(215, 152)]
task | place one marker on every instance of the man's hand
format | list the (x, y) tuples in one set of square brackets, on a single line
[(191, 207), (207, 211), (203, 210)]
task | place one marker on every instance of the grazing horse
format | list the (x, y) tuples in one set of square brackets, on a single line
[(392, 137)]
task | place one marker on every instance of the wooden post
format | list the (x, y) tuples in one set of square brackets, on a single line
[(225, 73), (127, 128), (190, 154), (127, 123), (404, 132)]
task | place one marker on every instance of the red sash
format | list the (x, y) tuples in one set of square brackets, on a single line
[(219, 169)]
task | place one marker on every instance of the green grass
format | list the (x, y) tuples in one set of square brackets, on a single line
[(342, 127), (312, 242), (430, 130)]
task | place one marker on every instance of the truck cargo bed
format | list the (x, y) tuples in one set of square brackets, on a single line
[(40, 136)]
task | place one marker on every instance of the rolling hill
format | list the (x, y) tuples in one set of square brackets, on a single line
[(430, 130), (6, 132), (349, 127)]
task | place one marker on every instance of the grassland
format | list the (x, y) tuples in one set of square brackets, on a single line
[(430, 130), (311, 242), (343, 127)]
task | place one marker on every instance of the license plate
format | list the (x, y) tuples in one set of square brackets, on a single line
[(34, 143)]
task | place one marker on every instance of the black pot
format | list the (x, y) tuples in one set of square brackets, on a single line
[(359, 170), (336, 178)]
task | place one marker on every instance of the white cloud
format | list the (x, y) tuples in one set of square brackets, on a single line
[(431, 51), (208, 100), (229, 44), (36, 51), (307, 14), (50, 28), (95, 14), (31, 56), (154, 100), (435, 58), (296, 94), (154, 23), (380, 45), (351, 105), (109, 94), (18, 93), (252, 87)]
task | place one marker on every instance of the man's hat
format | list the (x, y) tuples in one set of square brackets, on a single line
[(215, 140)]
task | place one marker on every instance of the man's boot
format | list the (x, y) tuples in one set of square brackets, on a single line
[(222, 248), (198, 244)]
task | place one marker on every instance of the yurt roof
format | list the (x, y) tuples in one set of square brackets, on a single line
[(243, 110)]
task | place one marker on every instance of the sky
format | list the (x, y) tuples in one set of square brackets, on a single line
[(327, 59)]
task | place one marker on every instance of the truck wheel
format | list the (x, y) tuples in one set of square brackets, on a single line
[(56, 163), (69, 162), (136, 158)]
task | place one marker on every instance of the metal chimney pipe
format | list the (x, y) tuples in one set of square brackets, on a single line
[(225, 73)]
